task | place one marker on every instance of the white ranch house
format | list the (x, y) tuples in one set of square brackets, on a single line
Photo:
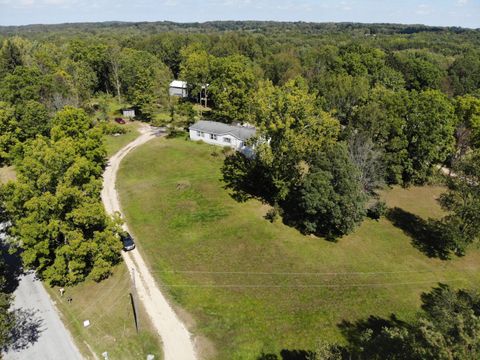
[(216, 133)]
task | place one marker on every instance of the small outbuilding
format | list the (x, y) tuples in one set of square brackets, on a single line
[(221, 134), (129, 113), (178, 88)]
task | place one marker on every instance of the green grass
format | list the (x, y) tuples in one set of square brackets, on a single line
[(252, 286), (107, 306), (115, 143)]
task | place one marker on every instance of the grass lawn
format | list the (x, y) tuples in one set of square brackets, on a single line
[(115, 143), (7, 173), (107, 305), (252, 286)]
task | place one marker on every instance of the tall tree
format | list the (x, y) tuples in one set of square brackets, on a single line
[(430, 132), (196, 70), (114, 61), (8, 132), (32, 119), (25, 83), (462, 201), (383, 119), (296, 131), (467, 109), (55, 205), (342, 93), (447, 328), (232, 87), (330, 200), (465, 73), (420, 69), (144, 80), (282, 67)]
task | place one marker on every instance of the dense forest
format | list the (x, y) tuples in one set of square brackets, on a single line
[(340, 110)]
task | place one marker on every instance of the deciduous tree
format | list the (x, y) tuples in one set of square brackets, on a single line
[(58, 219), (430, 132), (462, 201), (329, 201)]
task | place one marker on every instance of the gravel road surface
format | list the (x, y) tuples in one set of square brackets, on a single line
[(177, 341)]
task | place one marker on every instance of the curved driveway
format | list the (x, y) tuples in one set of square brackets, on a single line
[(177, 341)]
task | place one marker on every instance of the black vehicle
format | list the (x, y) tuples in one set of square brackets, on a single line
[(127, 240)]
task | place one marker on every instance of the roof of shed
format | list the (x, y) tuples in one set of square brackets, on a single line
[(178, 84), (213, 127)]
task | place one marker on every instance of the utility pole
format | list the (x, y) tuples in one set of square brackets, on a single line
[(134, 300)]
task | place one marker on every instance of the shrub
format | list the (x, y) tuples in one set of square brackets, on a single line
[(377, 210), (175, 133), (110, 129), (227, 150)]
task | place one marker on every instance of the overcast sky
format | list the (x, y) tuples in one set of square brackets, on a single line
[(465, 13)]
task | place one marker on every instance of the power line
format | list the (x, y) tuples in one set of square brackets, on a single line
[(306, 285), (294, 273)]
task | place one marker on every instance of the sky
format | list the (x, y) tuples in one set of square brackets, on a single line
[(465, 13)]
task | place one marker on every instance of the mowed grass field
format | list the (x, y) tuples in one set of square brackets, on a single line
[(254, 287), (108, 307)]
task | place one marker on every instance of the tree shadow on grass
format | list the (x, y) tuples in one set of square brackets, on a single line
[(353, 331), (27, 329), (289, 355), (371, 337), (427, 235)]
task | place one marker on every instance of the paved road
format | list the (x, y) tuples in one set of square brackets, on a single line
[(41, 325), (40, 334), (177, 341)]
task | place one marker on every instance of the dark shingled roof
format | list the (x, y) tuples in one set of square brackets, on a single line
[(240, 132)]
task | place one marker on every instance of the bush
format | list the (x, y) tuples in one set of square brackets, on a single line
[(175, 133), (377, 210), (110, 128), (227, 150), (158, 122), (273, 214)]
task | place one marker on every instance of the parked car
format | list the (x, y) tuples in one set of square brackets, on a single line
[(120, 120), (127, 240)]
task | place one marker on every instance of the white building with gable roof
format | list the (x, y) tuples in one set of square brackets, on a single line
[(221, 134), (178, 88)]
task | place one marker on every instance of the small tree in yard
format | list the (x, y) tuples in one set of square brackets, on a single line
[(330, 200)]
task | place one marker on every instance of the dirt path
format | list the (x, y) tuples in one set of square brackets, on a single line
[(177, 341)]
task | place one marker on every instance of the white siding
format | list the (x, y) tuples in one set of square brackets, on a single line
[(174, 91), (221, 140), (129, 113)]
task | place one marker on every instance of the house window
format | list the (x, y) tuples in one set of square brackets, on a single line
[(199, 133), (213, 136), (227, 140)]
